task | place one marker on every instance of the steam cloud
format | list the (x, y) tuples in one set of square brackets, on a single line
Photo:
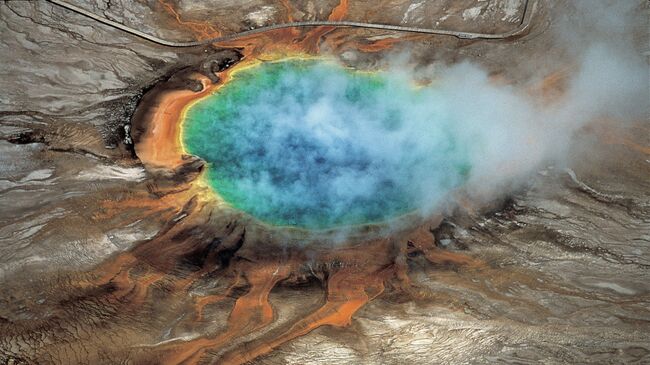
[(513, 132), (318, 147)]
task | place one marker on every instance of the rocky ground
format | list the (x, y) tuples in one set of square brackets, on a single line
[(556, 272)]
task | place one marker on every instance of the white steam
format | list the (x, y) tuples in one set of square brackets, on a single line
[(516, 131)]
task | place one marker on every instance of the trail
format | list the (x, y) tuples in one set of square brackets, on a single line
[(334, 21)]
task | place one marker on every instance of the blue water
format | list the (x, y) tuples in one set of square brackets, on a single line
[(311, 144)]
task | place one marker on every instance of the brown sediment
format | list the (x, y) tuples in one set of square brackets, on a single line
[(380, 44), (160, 145), (553, 86), (312, 41), (628, 142), (626, 138), (288, 9), (184, 253), (203, 30), (112, 208), (423, 240), (340, 11), (201, 302), (202, 246), (347, 291), (251, 312), (131, 290)]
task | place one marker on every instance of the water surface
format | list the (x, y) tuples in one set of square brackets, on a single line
[(309, 143)]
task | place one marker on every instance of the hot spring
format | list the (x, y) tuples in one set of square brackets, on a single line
[(315, 145)]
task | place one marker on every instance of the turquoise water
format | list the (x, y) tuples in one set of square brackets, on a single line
[(311, 144)]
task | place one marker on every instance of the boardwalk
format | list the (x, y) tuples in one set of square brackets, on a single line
[(529, 9)]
